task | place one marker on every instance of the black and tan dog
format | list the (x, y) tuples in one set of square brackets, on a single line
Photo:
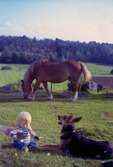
[(75, 144)]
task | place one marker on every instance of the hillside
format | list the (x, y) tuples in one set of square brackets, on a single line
[(24, 50)]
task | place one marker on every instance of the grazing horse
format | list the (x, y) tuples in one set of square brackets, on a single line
[(44, 72)]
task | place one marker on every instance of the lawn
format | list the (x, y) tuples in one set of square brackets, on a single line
[(99, 69), (17, 72), (95, 123), (13, 75)]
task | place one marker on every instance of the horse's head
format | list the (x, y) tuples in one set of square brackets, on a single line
[(26, 89)]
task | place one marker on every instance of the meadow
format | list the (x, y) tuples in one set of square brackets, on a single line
[(96, 111)]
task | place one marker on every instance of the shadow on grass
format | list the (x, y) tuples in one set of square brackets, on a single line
[(58, 97), (49, 150)]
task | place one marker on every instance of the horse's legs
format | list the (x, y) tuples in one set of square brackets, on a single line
[(76, 87), (50, 96), (75, 97), (35, 87)]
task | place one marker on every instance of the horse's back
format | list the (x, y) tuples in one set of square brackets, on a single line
[(57, 71), (61, 65), (76, 65), (53, 72)]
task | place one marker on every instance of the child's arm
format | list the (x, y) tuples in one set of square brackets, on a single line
[(34, 135), (38, 137), (5, 129), (14, 133)]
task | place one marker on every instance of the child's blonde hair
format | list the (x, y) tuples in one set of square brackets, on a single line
[(24, 120)]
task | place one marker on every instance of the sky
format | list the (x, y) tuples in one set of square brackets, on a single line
[(76, 20)]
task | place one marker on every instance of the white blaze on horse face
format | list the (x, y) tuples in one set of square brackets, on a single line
[(28, 92), (26, 95)]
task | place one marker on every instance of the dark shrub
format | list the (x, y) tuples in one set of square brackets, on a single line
[(111, 72), (6, 68)]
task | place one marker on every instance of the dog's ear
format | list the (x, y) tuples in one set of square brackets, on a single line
[(59, 120), (62, 117), (76, 119), (69, 118)]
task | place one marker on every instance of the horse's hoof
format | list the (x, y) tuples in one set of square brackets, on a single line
[(50, 98), (73, 99), (31, 98)]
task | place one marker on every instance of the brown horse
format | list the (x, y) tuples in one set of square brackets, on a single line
[(44, 72)]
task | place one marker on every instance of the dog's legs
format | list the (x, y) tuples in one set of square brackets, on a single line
[(107, 163), (52, 148), (5, 146)]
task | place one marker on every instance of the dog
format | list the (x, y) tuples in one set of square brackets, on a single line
[(75, 144)]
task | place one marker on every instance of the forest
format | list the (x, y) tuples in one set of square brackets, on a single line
[(25, 50)]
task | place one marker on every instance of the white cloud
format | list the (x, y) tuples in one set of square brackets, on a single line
[(5, 24)]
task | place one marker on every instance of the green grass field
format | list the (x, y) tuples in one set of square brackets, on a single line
[(95, 123), (10, 76), (99, 69), (17, 72)]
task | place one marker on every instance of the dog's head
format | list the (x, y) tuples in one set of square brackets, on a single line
[(68, 119)]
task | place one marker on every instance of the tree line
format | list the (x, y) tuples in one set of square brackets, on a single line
[(24, 50)]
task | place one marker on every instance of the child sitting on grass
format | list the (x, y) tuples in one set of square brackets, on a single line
[(24, 138)]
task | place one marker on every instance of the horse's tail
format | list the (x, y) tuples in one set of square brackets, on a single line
[(86, 72)]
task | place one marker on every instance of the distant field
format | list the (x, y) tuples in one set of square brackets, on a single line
[(17, 73), (10, 76), (99, 69)]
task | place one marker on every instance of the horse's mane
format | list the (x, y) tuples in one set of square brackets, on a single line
[(29, 72)]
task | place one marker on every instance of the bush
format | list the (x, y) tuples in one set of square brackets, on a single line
[(6, 68), (111, 72)]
